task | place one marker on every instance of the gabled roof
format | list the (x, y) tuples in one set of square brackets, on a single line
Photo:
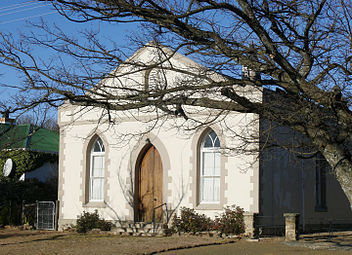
[(28, 137)]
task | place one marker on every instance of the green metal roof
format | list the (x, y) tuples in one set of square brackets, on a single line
[(29, 137)]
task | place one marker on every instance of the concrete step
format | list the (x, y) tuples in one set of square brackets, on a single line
[(138, 229), (139, 225)]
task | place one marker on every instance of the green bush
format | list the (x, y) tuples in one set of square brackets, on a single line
[(105, 225), (230, 222), (88, 221), (5, 217), (191, 221), (25, 161)]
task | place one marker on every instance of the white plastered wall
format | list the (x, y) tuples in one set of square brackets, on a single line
[(178, 150), (177, 155)]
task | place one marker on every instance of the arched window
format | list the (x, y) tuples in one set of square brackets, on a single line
[(96, 176), (155, 79), (210, 168)]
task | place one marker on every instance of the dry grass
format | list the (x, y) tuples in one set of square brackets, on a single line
[(14, 241)]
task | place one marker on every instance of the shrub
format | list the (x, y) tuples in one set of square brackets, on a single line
[(4, 215), (25, 161), (230, 222), (105, 225), (88, 221), (191, 221)]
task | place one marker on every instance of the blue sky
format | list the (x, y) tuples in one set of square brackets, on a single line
[(14, 17), (16, 14)]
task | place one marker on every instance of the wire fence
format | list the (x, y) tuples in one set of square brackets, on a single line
[(46, 215)]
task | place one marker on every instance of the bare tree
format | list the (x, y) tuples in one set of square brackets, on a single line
[(39, 117), (299, 52)]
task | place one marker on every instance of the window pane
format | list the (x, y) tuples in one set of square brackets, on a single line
[(208, 142), (211, 140), (98, 146), (97, 171), (217, 143), (208, 163), (102, 146), (216, 195), (97, 188), (98, 166), (210, 169), (213, 135), (217, 158), (208, 190)]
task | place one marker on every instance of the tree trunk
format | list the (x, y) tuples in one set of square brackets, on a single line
[(341, 166)]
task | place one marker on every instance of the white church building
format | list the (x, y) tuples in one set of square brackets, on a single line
[(139, 165)]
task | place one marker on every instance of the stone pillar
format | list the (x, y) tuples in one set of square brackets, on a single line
[(291, 226), (250, 229)]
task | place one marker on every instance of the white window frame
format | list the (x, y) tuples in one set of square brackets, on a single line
[(214, 150), (93, 154)]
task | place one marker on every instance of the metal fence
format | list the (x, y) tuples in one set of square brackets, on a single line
[(45, 215)]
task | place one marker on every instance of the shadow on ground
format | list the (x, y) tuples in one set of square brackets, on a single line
[(331, 241)]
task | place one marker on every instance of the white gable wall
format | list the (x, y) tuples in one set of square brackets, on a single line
[(179, 150)]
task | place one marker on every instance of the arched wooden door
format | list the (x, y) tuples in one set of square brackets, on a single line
[(149, 186)]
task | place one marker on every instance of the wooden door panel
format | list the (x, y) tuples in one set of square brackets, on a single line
[(150, 186), (158, 177), (146, 186)]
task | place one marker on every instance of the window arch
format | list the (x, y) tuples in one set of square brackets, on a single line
[(209, 174), (155, 79), (96, 172)]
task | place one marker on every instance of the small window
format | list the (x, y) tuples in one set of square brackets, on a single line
[(320, 183), (210, 157), (155, 79), (96, 177)]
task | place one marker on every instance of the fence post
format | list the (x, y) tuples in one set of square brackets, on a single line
[(250, 228), (56, 214), (10, 218), (36, 214), (22, 213), (291, 226)]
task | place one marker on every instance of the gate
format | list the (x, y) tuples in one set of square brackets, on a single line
[(46, 215)]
